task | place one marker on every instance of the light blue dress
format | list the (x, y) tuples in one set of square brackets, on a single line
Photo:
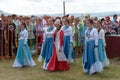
[(23, 57), (101, 49)]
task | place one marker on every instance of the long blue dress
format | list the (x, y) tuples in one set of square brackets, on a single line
[(90, 61), (47, 47), (23, 57), (101, 49), (67, 47)]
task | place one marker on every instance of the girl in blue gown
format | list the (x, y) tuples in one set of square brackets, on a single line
[(68, 47), (101, 46), (90, 61), (23, 57), (48, 44)]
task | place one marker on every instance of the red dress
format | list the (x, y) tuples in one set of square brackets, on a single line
[(58, 60)]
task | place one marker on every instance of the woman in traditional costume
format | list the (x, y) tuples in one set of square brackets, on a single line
[(48, 44), (101, 46), (90, 61), (67, 47), (58, 60), (23, 57)]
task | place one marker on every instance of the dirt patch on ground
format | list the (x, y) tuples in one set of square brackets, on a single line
[(115, 61)]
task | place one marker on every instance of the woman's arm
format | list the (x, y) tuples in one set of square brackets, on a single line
[(25, 37), (95, 33)]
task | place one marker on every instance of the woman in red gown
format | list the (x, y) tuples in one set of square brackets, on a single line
[(58, 60)]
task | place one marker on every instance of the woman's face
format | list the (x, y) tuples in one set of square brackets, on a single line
[(50, 21), (88, 23), (70, 20), (9, 20), (76, 21), (57, 26), (21, 26), (64, 22), (98, 24)]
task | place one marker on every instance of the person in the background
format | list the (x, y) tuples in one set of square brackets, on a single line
[(119, 28), (90, 61), (5, 50), (28, 27), (1, 39), (45, 21), (48, 43), (11, 37), (16, 22), (31, 36), (82, 28), (23, 57), (115, 22), (77, 28), (107, 25), (33, 21), (67, 47), (83, 33), (101, 45), (95, 19), (39, 33), (58, 60), (71, 20), (87, 16)]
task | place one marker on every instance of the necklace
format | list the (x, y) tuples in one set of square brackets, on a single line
[(65, 27), (88, 32), (50, 28)]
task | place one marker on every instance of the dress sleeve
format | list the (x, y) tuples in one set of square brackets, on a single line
[(103, 37), (96, 37), (25, 37), (44, 35), (71, 35), (61, 38)]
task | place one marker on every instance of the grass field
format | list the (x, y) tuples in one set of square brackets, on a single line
[(7, 72)]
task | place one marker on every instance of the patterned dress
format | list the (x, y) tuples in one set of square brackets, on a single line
[(77, 35)]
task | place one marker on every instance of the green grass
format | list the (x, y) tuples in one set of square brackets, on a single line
[(7, 72)]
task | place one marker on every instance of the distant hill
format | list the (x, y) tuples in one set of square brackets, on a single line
[(2, 12), (101, 14)]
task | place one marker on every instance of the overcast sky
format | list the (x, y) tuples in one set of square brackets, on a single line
[(28, 7)]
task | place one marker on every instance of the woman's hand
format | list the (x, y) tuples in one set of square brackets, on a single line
[(6, 41), (60, 50)]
